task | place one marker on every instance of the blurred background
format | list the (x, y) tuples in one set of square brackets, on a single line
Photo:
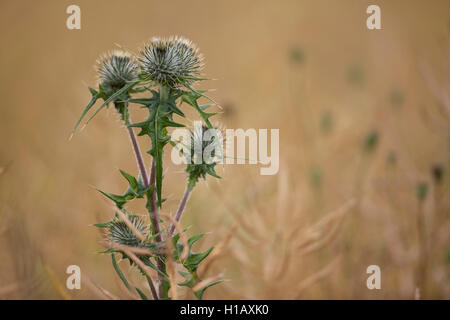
[(364, 146)]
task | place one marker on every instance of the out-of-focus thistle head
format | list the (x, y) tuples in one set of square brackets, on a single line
[(120, 233), (115, 69), (171, 62)]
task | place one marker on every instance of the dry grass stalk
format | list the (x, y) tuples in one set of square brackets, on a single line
[(319, 275), (99, 291), (270, 244), (204, 283), (324, 231), (135, 250), (56, 284), (183, 237), (219, 251), (171, 268)]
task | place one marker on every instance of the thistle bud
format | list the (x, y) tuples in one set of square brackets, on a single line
[(171, 62), (204, 155), (115, 69), (120, 233)]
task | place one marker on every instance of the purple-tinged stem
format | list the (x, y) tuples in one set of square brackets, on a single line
[(138, 154), (184, 200), (152, 288)]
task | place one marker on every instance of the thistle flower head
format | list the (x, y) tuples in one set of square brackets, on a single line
[(115, 69), (171, 62), (120, 233), (205, 152), (203, 137)]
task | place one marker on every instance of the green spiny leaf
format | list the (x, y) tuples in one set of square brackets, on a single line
[(113, 97), (199, 93), (102, 224), (141, 294), (119, 200), (119, 272), (131, 180), (199, 293), (195, 238), (147, 262), (191, 99), (95, 97), (191, 263), (187, 283)]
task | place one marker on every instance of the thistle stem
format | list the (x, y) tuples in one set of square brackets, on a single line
[(184, 200), (156, 229), (154, 214), (138, 154), (152, 288)]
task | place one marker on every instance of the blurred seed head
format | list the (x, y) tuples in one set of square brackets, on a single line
[(355, 75), (326, 122), (316, 176), (171, 62), (371, 141), (396, 98), (297, 55), (422, 191), (391, 158), (115, 69), (437, 172)]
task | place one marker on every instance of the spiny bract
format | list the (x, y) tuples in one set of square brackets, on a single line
[(203, 137), (205, 153), (115, 69), (120, 233), (171, 62)]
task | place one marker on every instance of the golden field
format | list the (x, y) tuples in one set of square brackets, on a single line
[(364, 119)]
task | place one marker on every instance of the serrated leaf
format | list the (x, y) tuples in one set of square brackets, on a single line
[(172, 105), (194, 239), (199, 293), (95, 97), (102, 224), (191, 99), (200, 93), (169, 123), (184, 274), (211, 171), (113, 97), (144, 101), (136, 189), (119, 200), (187, 283), (131, 180), (194, 259)]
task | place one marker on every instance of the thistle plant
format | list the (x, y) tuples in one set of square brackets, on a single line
[(164, 72)]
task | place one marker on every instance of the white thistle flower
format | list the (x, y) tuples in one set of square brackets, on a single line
[(171, 62)]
